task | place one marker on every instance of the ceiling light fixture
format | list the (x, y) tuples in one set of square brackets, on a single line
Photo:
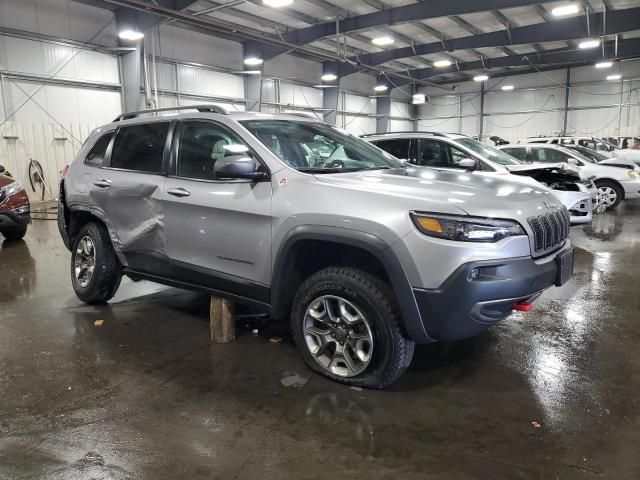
[(130, 35), (442, 63), (380, 88), (253, 61), (593, 43), (603, 64), (419, 99), (382, 41), (507, 88), (329, 77), (481, 78), (277, 3), (563, 10), (617, 76)]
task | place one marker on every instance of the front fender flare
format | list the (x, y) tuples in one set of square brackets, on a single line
[(411, 318)]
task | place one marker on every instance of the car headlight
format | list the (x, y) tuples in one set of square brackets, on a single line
[(466, 229), (635, 175), (11, 189)]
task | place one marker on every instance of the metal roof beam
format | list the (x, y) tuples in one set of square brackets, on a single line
[(402, 14), (618, 21), (560, 57)]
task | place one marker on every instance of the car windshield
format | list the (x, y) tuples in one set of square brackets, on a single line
[(319, 148), (588, 153), (488, 152)]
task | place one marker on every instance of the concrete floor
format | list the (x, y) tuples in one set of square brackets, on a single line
[(553, 394)]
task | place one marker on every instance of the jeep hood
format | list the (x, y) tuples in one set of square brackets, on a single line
[(426, 189)]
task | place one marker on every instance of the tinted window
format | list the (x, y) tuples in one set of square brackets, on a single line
[(398, 148), (140, 147), (549, 155), (97, 154), (201, 144), (519, 153)]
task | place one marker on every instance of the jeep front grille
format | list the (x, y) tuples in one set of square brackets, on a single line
[(550, 230)]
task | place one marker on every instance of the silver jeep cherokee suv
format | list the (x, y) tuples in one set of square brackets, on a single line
[(366, 254)]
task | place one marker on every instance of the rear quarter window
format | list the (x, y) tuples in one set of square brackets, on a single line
[(98, 153)]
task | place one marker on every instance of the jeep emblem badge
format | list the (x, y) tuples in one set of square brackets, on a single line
[(549, 205)]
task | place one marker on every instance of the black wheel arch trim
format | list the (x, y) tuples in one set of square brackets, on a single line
[(283, 265)]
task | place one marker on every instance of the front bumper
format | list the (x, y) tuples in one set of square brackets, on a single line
[(631, 189), (14, 220), (464, 307)]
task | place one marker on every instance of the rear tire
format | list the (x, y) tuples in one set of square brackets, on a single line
[(346, 324), (611, 192), (96, 271), (15, 234)]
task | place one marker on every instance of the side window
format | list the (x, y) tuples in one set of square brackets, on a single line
[(398, 148), (201, 145), (549, 155), (519, 153), (554, 141), (98, 152), (140, 147), (455, 155), (432, 154)]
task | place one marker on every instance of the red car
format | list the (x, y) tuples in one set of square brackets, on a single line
[(15, 210)]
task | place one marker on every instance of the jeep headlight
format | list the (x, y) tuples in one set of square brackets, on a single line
[(11, 189), (635, 175), (466, 229)]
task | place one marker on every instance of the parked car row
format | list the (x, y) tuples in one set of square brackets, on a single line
[(365, 254), (573, 188)]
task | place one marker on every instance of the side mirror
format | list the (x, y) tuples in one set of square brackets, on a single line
[(239, 166), (467, 164), (572, 161)]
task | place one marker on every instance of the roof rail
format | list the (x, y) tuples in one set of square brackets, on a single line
[(302, 114), (200, 108), (437, 134)]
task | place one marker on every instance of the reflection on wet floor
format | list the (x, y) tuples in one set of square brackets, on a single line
[(549, 394)]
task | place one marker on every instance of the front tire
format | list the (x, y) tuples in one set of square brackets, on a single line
[(611, 193), (15, 234), (346, 324), (95, 269)]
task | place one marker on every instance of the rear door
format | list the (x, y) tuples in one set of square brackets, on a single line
[(127, 188), (218, 230)]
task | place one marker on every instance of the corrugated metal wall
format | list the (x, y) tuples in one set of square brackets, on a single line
[(536, 105)]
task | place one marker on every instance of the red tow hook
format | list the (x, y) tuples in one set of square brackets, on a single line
[(523, 306)]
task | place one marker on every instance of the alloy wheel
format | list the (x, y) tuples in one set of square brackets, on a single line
[(85, 261), (338, 335), (608, 195)]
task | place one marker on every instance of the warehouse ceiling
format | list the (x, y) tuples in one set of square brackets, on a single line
[(498, 37)]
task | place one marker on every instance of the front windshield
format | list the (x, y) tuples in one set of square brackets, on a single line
[(589, 153), (319, 148), (488, 152)]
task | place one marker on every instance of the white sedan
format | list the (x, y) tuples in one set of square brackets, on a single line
[(614, 183)]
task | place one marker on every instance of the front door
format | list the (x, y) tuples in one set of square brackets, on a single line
[(218, 230)]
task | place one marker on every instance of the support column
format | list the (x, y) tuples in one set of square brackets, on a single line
[(253, 81), (253, 92), (383, 109), (567, 90), (481, 134), (330, 104), (131, 79)]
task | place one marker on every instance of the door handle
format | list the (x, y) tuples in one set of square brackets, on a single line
[(179, 192), (102, 183)]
